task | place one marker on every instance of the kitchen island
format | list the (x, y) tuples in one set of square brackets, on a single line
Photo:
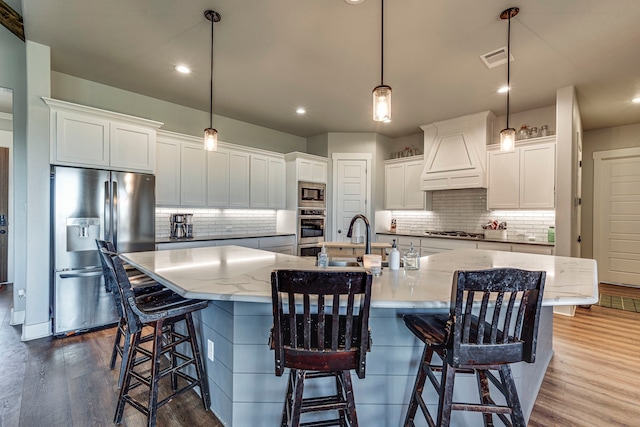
[(245, 390)]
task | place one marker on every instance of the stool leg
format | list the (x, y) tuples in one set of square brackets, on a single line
[(351, 403), (485, 395), (446, 394), (418, 387), (156, 355), (288, 401), (116, 344), (513, 401), (298, 388), (340, 396), (127, 368), (126, 349), (197, 356), (169, 338)]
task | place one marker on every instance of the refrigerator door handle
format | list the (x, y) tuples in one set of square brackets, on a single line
[(90, 273), (114, 207), (106, 214)]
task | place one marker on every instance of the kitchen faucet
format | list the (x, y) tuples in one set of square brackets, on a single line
[(367, 244)]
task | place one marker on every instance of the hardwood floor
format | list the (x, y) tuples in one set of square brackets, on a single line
[(67, 382), (593, 378)]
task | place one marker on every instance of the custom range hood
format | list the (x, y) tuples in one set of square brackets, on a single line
[(455, 152)]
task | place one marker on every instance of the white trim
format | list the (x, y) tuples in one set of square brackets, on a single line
[(616, 154), (35, 331), (10, 209), (17, 317), (335, 157)]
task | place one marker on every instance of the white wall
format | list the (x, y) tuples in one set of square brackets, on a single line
[(176, 118), (536, 117)]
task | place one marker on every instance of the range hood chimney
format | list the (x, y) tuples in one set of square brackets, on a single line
[(455, 152)]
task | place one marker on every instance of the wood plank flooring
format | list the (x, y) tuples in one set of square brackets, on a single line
[(593, 378), (67, 382)]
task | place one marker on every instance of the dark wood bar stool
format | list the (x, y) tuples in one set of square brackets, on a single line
[(320, 329), (142, 285), (493, 322), (166, 357)]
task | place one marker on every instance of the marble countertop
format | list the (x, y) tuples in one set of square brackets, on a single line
[(515, 241), (221, 237), (234, 273), (353, 245)]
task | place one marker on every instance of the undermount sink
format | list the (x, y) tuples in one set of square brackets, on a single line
[(337, 263)]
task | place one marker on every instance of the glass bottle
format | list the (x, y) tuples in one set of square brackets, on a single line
[(411, 259)]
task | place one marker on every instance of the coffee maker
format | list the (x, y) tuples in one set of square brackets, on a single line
[(181, 226)]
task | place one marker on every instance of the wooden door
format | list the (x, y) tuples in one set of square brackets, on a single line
[(351, 195), (616, 219)]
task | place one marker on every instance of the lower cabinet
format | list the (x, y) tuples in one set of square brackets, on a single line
[(280, 244)]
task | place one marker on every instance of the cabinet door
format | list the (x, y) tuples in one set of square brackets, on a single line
[(276, 188), (81, 139), (238, 180), (413, 195), (305, 170), (504, 180), (537, 176), (168, 173), (218, 178), (259, 182), (394, 186), (193, 175), (319, 172), (132, 147)]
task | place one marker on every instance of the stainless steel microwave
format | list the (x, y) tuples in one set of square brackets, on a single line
[(311, 195)]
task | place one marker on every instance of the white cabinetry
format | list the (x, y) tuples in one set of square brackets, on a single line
[(402, 184), (524, 178), (218, 178), (311, 170), (267, 182), (193, 175), (168, 172), (280, 244), (239, 179), (303, 167), (85, 136)]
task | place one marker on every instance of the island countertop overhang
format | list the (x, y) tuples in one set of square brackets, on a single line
[(233, 273)]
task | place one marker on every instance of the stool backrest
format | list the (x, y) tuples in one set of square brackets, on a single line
[(494, 316), (317, 324), (120, 287)]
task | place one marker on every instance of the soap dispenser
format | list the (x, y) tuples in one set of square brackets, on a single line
[(323, 258), (394, 257)]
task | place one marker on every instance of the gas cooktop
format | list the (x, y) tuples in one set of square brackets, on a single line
[(454, 234)]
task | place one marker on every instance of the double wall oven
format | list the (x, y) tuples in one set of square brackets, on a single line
[(312, 216)]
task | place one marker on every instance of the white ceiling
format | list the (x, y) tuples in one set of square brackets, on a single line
[(273, 56)]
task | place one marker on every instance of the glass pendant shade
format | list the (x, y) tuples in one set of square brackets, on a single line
[(382, 103), (210, 139), (507, 139)]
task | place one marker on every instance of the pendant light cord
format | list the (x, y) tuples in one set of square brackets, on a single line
[(508, 64), (381, 42), (211, 82)]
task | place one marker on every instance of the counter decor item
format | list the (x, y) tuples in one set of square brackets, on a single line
[(373, 263), (551, 234), (411, 259), (394, 257), (523, 133), (393, 226), (323, 258)]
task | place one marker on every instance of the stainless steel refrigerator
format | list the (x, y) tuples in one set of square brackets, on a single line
[(89, 204)]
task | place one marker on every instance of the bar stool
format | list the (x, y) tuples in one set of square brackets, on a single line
[(143, 286), (493, 322), (161, 313), (319, 331)]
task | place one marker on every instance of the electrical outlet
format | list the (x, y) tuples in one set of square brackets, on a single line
[(210, 349)]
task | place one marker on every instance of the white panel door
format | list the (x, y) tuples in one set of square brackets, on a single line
[(277, 184), (218, 178), (259, 180), (132, 147), (394, 186), (238, 179), (193, 175), (81, 139), (617, 215), (538, 176), (168, 173), (503, 190), (351, 195)]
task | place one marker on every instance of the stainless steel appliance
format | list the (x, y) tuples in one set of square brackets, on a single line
[(89, 204), (311, 230), (181, 226), (311, 195)]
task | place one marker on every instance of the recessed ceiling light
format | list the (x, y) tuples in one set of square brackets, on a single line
[(503, 89), (636, 100), (183, 69), (354, 1), (300, 110)]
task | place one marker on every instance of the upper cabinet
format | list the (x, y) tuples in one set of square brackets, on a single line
[(455, 152), (308, 167), (86, 136), (402, 184), (231, 177), (523, 178)]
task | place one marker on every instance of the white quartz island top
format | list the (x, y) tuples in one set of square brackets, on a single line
[(234, 273)]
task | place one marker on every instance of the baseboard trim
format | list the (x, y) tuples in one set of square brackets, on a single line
[(17, 317), (35, 331)]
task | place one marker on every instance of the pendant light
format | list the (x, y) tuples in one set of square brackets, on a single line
[(210, 134), (382, 93), (508, 134)]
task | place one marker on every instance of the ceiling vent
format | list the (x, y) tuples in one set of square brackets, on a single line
[(495, 58)]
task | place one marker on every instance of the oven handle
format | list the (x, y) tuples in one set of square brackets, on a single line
[(312, 217)]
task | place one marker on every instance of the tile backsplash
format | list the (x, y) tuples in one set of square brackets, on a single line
[(218, 222), (466, 210)]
